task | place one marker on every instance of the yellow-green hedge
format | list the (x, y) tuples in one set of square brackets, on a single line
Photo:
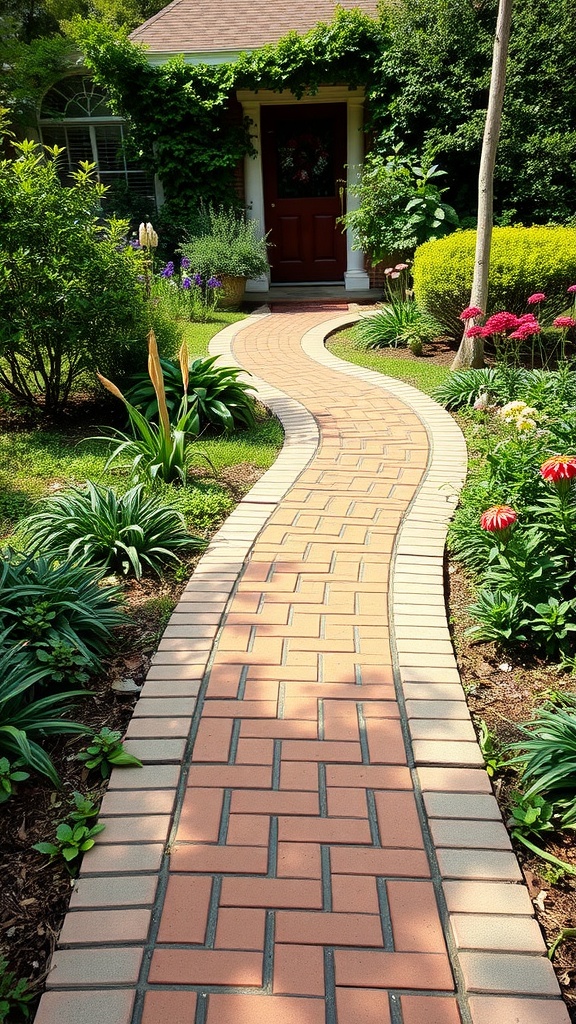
[(523, 261)]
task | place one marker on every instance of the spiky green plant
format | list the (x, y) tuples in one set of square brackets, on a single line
[(128, 533)]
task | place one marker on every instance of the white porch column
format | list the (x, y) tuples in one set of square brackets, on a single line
[(355, 278), (254, 186)]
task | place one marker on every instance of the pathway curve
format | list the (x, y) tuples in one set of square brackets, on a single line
[(334, 852)]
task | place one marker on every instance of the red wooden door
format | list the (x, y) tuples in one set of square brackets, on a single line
[(303, 158)]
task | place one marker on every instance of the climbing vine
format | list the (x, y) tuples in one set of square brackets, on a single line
[(181, 117)]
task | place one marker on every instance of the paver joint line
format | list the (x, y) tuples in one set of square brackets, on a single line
[(306, 719)]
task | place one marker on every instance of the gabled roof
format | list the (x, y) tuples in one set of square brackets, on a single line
[(220, 26)]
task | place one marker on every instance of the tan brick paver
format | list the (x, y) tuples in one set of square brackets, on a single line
[(330, 752)]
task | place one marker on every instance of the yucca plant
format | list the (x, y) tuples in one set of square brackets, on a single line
[(463, 387), (223, 400), (24, 720), (128, 533), (42, 602), (158, 451)]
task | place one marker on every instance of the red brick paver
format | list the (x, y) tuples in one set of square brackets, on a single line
[(297, 885)]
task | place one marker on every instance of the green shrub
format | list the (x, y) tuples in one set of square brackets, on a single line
[(225, 244), (223, 400), (127, 534), (70, 299), (41, 603), (523, 261)]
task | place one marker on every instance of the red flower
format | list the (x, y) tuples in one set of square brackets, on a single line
[(572, 289), (474, 331), (470, 312), (500, 322), (497, 518), (564, 321), (528, 325), (537, 297), (559, 469)]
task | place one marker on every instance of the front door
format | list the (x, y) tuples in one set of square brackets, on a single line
[(303, 158)]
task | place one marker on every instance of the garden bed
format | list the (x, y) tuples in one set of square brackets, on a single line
[(503, 689)]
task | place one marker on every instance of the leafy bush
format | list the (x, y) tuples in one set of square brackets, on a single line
[(522, 260), (43, 605), (222, 400), (398, 323), (127, 534), (70, 299), (400, 205), (26, 719), (226, 244)]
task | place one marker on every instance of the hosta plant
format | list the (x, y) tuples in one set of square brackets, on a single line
[(222, 400), (157, 451), (128, 534)]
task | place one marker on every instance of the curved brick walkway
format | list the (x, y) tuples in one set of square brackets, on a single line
[(313, 839)]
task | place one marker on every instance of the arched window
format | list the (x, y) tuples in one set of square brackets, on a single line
[(75, 115)]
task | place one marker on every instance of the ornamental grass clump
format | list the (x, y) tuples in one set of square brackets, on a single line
[(128, 534)]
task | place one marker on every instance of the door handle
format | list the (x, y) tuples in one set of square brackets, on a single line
[(273, 205)]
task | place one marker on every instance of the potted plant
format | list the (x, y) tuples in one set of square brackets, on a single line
[(227, 246)]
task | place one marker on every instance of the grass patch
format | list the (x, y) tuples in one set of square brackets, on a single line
[(197, 336), (421, 373)]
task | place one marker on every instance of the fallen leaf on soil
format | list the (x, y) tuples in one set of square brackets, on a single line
[(540, 900)]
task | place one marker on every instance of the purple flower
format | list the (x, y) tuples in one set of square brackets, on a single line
[(197, 280), (135, 244), (185, 263), (213, 282), (186, 283), (168, 270)]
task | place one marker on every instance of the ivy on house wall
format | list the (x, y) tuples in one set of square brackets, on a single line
[(180, 116)]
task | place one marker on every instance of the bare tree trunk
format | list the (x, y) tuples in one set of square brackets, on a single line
[(471, 351)]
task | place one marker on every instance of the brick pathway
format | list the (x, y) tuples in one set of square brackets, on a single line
[(335, 854)]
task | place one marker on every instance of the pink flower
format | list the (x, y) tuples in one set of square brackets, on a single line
[(401, 266), (475, 331), (470, 312), (498, 518), (388, 271), (500, 322), (572, 289), (537, 297), (528, 325), (559, 469), (564, 321)]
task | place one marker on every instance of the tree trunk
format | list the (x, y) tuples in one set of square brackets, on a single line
[(471, 351)]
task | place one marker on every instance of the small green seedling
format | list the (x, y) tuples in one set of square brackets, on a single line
[(490, 747), (106, 750), (70, 841), (14, 995), (531, 814), (7, 779), (85, 808)]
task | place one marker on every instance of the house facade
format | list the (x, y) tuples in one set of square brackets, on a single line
[(308, 151)]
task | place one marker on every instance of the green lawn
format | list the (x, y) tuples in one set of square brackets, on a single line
[(419, 372), (198, 335)]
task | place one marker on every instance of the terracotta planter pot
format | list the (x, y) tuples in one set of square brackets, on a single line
[(232, 292)]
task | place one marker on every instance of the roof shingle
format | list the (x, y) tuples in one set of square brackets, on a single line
[(204, 26)]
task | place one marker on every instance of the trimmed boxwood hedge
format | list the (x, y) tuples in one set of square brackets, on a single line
[(523, 261)]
